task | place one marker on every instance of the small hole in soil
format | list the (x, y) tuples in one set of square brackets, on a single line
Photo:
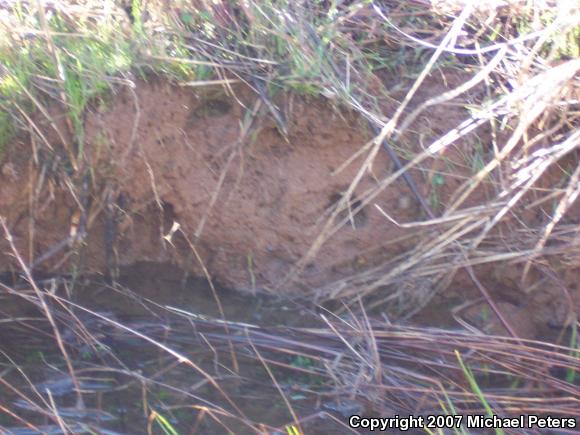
[(356, 219), (213, 108), (311, 269), (168, 215)]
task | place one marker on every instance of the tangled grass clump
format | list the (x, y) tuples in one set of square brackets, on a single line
[(519, 148)]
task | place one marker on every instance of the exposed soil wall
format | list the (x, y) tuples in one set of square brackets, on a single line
[(252, 208), (248, 207)]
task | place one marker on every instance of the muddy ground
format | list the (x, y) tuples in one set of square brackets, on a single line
[(174, 180)]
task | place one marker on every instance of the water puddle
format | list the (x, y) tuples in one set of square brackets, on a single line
[(163, 352)]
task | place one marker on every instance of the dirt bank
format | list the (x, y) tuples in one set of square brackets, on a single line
[(192, 177), (251, 206)]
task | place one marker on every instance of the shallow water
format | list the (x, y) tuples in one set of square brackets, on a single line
[(159, 351), (133, 373)]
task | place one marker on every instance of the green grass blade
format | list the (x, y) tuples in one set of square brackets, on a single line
[(475, 388), (165, 426)]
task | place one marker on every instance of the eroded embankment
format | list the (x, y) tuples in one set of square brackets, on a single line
[(207, 180), (251, 204)]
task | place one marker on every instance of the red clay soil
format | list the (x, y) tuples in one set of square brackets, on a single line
[(251, 209), (269, 206)]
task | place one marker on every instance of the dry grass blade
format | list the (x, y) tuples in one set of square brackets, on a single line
[(496, 184)]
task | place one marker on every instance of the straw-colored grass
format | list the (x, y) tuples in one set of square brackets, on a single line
[(350, 362), (522, 58)]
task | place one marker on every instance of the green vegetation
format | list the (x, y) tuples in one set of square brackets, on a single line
[(293, 430), (572, 374), (477, 391), (509, 77), (163, 423), (6, 129), (75, 55)]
